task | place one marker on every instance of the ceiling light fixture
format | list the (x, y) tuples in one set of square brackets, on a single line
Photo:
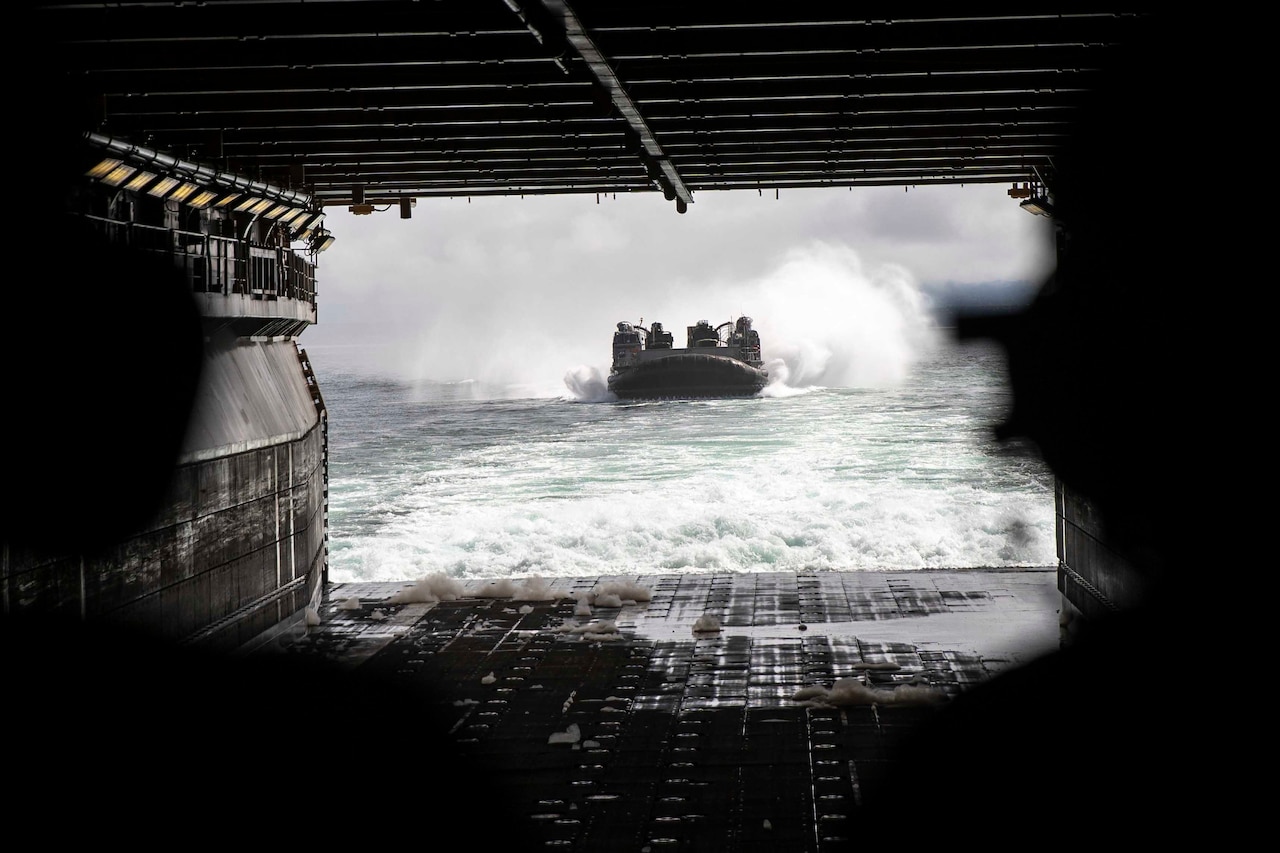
[(161, 188), (111, 171), (321, 240), (203, 199), (1038, 205), (140, 180), (183, 192)]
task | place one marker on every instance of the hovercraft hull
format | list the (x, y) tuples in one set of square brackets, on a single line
[(688, 375)]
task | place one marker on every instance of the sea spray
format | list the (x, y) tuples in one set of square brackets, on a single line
[(836, 478), (833, 323), (587, 384), (824, 319)]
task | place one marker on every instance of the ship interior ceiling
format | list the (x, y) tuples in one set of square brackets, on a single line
[(372, 104)]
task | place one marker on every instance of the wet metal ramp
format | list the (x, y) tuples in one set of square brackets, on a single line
[(707, 712)]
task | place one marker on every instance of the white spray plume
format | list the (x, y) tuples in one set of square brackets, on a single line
[(587, 384), (824, 321)]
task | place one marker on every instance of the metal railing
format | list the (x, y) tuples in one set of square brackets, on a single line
[(223, 265), (318, 399)]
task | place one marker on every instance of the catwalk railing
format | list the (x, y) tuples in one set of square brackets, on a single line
[(225, 265)]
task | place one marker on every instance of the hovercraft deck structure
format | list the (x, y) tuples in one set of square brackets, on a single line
[(719, 361)]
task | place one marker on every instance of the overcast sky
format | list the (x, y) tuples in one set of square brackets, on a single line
[(528, 289)]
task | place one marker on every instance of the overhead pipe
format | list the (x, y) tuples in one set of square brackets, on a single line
[(199, 173), (601, 70)]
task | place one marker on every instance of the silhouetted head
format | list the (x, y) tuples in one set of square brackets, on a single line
[(1108, 365)]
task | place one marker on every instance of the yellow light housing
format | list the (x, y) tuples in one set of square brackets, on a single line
[(203, 200), (139, 181), (104, 168), (183, 192), (162, 187)]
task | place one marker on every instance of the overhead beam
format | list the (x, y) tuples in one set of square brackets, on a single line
[(523, 97), (654, 159)]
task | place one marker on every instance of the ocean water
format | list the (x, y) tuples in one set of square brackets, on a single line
[(469, 481)]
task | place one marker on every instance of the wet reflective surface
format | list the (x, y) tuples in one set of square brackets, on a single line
[(642, 732)]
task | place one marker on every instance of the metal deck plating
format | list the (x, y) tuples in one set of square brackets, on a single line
[(626, 729)]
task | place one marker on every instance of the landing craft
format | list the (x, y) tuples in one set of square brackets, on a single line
[(718, 361)]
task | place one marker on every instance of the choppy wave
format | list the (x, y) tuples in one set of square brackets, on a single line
[(804, 478)]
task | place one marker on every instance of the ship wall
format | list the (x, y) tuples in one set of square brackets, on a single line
[(1092, 576), (238, 551)]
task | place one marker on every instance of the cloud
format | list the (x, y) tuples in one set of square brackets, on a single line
[(526, 291)]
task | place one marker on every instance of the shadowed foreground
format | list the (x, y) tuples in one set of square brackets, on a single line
[(614, 725)]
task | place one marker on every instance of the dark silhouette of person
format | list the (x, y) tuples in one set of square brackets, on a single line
[(116, 731), (1108, 368)]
